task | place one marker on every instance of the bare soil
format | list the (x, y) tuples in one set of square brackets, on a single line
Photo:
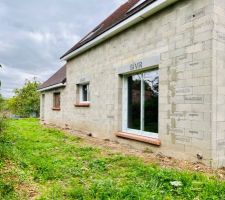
[(147, 156), (22, 188)]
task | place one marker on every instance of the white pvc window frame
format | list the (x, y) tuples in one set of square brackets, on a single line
[(125, 108), (81, 93)]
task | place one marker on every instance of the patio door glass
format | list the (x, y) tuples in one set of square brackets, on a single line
[(134, 102), (142, 103), (151, 94)]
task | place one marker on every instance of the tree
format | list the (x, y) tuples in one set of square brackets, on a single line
[(25, 102)]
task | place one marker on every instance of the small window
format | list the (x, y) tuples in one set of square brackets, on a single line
[(56, 101), (84, 93)]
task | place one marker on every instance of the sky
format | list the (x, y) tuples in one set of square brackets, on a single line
[(35, 34)]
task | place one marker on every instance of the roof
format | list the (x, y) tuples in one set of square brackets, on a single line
[(122, 13), (57, 78)]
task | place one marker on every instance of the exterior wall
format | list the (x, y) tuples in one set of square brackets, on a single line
[(218, 88), (48, 115), (182, 35)]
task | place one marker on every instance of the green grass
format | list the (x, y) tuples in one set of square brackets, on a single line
[(49, 164)]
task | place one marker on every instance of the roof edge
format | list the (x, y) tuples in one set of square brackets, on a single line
[(59, 85), (127, 23)]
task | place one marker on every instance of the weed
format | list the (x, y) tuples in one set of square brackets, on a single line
[(64, 167)]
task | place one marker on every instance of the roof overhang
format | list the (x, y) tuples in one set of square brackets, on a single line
[(52, 87), (134, 19)]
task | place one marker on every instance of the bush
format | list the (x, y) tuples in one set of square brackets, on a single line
[(2, 115), (2, 124), (2, 134)]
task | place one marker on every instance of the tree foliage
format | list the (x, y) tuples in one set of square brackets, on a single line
[(25, 102)]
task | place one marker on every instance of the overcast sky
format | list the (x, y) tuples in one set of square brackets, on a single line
[(35, 33)]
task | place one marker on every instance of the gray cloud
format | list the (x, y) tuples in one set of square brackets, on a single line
[(34, 34)]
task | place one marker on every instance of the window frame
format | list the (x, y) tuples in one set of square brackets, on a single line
[(56, 102), (81, 93), (80, 102), (125, 128)]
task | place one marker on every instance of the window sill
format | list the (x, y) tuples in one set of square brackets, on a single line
[(144, 139), (82, 105), (56, 109)]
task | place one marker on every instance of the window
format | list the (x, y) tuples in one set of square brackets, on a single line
[(84, 93), (141, 103), (56, 101)]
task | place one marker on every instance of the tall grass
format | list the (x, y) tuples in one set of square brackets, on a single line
[(2, 124), (61, 166), (2, 132), (6, 187), (2, 115), (4, 140)]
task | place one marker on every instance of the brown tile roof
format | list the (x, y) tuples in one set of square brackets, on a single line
[(115, 18), (58, 77)]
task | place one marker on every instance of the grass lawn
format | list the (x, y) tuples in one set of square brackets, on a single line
[(42, 163)]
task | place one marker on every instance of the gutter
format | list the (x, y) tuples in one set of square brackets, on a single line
[(134, 19), (52, 87)]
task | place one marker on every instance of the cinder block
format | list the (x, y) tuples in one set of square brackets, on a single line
[(189, 37)]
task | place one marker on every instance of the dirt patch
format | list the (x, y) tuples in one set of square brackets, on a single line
[(147, 155), (10, 174)]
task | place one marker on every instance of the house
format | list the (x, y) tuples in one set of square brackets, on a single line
[(150, 75)]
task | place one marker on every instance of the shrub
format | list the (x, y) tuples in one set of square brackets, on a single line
[(2, 124), (2, 115), (2, 127)]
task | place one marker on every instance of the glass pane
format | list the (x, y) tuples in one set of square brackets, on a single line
[(151, 93), (134, 102), (88, 93), (84, 92)]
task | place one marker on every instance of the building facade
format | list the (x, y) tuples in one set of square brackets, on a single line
[(151, 77)]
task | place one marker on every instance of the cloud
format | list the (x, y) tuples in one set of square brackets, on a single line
[(8, 84), (34, 34), (119, 2)]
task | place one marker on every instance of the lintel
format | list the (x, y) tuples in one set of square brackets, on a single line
[(139, 65)]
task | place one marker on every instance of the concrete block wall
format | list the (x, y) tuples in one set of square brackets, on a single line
[(218, 85), (190, 101), (185, 82), (51, 116)]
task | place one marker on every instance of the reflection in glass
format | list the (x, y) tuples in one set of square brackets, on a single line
[(151, 93), (143, 92), (134, 102), (85, 92)]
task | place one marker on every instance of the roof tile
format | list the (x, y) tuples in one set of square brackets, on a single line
[(122, 13), (58, 77)]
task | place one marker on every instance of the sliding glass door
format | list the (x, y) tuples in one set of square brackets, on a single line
[(134, 102), (141, 103), (151, 94)]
